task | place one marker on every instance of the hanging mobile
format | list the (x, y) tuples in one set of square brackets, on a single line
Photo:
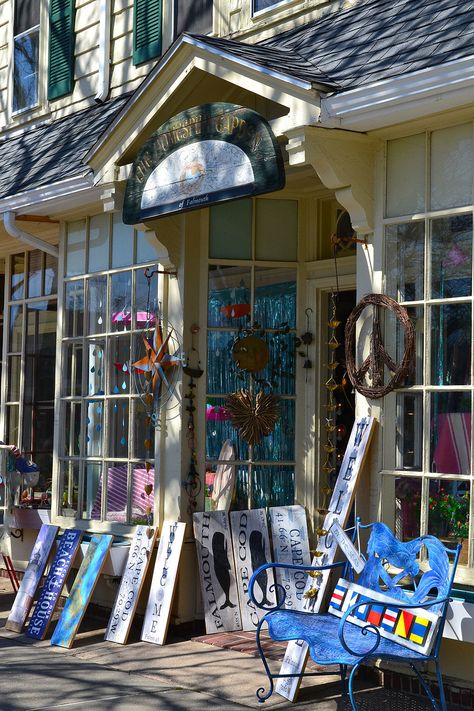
[(192, 484)]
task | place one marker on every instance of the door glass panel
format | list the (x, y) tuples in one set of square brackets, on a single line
[(117, 488), (405, 249), (97, 303), (448, 513), (70, 489), (143, 495), (74, 309), (118, 428), (407, 508), (451, 344), (275, 297), (451, 257), (450, 451), (229, 296), (121, 301), (409, 434), (92, 492), (76, 248), (73, 429), (99, 228)]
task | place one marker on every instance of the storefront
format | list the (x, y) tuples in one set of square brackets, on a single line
[(248, 273)]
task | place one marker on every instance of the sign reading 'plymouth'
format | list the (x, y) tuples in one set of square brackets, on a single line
[(202, 156)]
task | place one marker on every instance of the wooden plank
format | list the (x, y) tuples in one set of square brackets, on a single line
[(33, 574), (251, 545), (290, 543), (296, 654), (58, 572), (217, 571), (163, 584), (81, 591), (131, 584)]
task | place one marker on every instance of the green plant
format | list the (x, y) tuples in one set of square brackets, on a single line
[(453, 510)]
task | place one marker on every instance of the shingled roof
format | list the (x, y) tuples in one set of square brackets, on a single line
[(368, 42), (53, 152)]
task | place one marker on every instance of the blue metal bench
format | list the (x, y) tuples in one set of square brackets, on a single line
[(349, 638)]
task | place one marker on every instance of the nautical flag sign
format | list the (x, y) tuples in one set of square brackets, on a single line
[(413, 628)]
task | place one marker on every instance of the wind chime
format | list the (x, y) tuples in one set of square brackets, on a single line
[(192, 484)]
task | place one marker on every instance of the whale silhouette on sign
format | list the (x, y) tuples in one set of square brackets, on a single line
[(222, 566)]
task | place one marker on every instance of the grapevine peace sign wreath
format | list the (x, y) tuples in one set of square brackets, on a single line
[(373, 365)]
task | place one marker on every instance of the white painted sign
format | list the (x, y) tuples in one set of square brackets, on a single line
[(131, 584), (158, 609), (33, 574), (251, 546), (290, 544), (347, 547), (217, 571), (339, 508)]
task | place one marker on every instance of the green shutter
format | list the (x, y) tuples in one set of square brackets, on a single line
[(146, 30), (61, 48)]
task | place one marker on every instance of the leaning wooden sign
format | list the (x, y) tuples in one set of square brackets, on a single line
[(158, 609), (290, 545), (33, 574), (49, 598), (339, 508), (131, 584), (81, 591), (251, 545), (216, 571)]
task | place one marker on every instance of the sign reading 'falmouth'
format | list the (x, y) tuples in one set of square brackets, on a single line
[(202, 156)]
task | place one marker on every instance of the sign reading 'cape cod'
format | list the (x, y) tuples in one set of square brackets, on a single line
[(204, 155)]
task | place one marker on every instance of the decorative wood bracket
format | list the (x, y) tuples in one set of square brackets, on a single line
[(345, 163)]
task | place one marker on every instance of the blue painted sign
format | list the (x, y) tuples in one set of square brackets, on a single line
[(81, 592), (60, 567), (200, 157)]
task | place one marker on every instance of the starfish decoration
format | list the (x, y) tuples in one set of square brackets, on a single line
[(157, 359)]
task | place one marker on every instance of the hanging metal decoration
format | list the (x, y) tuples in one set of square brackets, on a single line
[(254, 417), (306, 340), (374, 365), (192, 484), (157, 370)]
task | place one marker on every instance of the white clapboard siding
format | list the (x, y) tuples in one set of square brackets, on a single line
[(158, 609), (216, 571), (339, 508), (131, 584), (290, 544), (251, 545)]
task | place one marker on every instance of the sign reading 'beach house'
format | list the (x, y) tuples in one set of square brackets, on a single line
[(60, 567)]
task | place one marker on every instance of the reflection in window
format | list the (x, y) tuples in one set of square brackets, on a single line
[(448, 511), (407, 507), (450, 444), (451, 257)]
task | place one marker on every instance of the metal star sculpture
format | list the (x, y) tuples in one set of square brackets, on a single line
[(157, 359)]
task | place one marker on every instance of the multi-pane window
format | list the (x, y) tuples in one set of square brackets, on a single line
[(258, 5), (251, 343), (428, 247), (192, 16), (30, 365), (107, 470), (25, 53)]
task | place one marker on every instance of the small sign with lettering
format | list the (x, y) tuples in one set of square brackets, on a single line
[(158, 609), (33, 574), (347, 547), (251, 550), (290, 545), (131, 584), (217, 571), (49, 597)]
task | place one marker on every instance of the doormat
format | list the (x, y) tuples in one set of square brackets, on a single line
[(245, 642)]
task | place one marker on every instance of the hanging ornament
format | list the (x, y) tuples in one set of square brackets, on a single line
[(192, 484), (254, 417), (156, 371)]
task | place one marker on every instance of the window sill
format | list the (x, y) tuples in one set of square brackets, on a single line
[(25, 117)]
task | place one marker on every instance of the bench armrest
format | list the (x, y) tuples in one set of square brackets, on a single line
[(280, 591), (371, 628)]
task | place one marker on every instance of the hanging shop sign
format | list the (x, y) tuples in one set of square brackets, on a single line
[(202, 156)]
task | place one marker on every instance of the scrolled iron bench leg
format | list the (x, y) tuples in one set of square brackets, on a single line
[(343, 668), (260, 693), (354, 671), (442, 704)]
